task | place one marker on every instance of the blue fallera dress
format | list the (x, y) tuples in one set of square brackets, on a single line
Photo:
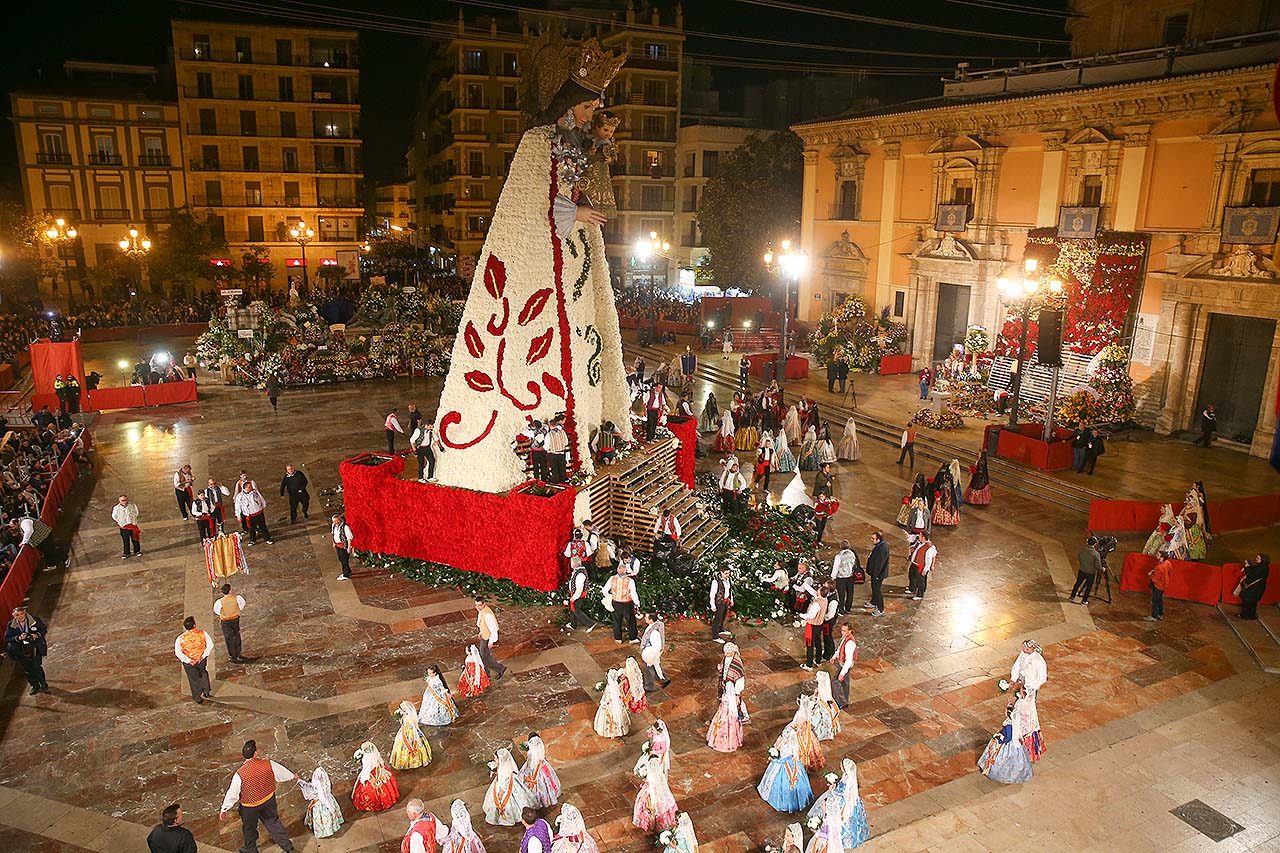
[(1005, 759), (785, 785), (855, 830)]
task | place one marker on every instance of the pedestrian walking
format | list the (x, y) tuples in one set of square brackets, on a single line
[(202, 514), (923, 555), (426, 833), (1208, 423), (426, 444), (877, 571), (183, 481), (170, 836), (721, 601), (832, 612), (1088, 563), (652, 644), (294, 484), (578, 617), (26, 642), (814, 615), (655, 405), (1097, 447), (415, 418), (341, 535), (1158, 582), (193, 647), (251, 509), (125, 515), (253, 794), (214, 492), (392, 426), (843, 569), (228, 609), (273, 392), (621, 600), (908, 445), (487, 625), (846, 656)]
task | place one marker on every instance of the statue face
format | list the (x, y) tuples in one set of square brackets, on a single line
[(583, 111)]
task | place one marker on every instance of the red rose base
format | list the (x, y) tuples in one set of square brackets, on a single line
[(518, 536)]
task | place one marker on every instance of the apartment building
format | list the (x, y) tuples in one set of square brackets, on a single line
[(393, 208), (101, 149), (699, 150), (469, 124), (271, 136)]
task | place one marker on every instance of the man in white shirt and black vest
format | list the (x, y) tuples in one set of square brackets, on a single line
[(655, 405), (923, 554), (620, 594), (732, 485), (557, 446), (213, 493), (667, 527), (653, 642), (843, 568), (721, 601), (829, 624), (253, 794), (341, 535), (487, 626), (578, 617), (814, 615), (846, 655)]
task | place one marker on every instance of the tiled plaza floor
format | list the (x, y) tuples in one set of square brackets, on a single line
[(1138, 719)]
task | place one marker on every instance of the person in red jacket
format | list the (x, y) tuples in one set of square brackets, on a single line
[(1159, 575)]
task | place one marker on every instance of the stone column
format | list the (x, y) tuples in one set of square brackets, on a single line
[(888, 209), (1265, 432), (1050, 180), (1129, 187), (1179, 368), (809, 308)]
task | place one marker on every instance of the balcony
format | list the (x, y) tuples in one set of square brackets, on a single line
[(71, 214), (664, 205), (332, 97), (474, 104), (153, 160), (340, 201), (338, 169), (157, 214), (336, 59), (642, 99), (53, 158), (111, 213), (476, 172)]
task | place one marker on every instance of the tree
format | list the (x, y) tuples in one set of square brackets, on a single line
[(180, 253), (22, 242), (255, 268), (752, 201)]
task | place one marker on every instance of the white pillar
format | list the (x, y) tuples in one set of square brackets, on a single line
[(1129, 187), (809, 308), (888, 207), (1050, 180)]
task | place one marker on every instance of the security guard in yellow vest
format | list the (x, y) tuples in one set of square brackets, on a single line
[(228, 610)]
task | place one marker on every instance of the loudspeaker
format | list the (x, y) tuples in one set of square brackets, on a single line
[(1049, 340)]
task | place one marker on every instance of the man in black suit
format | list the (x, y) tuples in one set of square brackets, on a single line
[(877, 571), (171, 836), (294, 483)]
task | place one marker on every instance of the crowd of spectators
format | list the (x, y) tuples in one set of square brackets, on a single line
[(29, 460), (645, 305), (135, 312)]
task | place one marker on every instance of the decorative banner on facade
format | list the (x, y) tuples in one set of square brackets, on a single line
[(349, 263), (1077, 223), (1144, 338), (1250, 225), (952, 217)]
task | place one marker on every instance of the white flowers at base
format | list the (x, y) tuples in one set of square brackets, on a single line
[(773, 752), (1004, 685), (815, 822), (831, 778)]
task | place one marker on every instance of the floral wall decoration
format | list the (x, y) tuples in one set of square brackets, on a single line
[(846, 335)]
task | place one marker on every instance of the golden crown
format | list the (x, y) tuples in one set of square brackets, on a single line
[(596, 67)]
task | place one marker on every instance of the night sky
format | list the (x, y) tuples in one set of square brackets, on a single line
[(41, 36)]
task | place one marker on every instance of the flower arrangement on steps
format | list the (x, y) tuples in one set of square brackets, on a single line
[(846, 335)]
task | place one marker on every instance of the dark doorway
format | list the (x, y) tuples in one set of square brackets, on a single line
[(953, 319), (1236, 353)]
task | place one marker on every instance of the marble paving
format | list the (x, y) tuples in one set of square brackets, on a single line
[(1138, 719)]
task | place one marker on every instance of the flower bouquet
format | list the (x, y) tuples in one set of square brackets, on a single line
[(1004, 685)]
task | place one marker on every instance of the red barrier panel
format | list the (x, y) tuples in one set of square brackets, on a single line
[(685, 429), (49, 359), (1231, 574), (13, 591), (167, 393), (517, 536), (797, 366), (58, 488), (1199, 582), (1234, 514), (1025, 446), (127, 397), (891, 365)]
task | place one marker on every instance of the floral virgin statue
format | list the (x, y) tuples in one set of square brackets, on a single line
[(539, 334)]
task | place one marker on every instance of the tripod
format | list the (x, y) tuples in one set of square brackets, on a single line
[(850, 387), (1106, 545)]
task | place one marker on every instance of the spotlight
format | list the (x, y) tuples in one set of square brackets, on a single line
[(162, 357), (122, 364)]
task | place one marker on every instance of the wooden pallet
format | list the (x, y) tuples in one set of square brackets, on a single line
[(627, 497)]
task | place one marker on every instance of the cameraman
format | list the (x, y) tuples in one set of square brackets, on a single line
[(24, 640), (1089, 562)]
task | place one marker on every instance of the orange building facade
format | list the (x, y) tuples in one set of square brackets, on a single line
[(1170, 156)]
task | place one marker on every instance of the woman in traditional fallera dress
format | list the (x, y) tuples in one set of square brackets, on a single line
[(979, 491), (791, 424), (853, 814), (808, 457), (725, 441), (825, 715), (785, 785), (658, 743), (437, 702), (1192, 517), (376, 789), (710, 420), (539, 332), (655, 808), (806, 740), (462, 837), (612, 718), (507, 795), (324, 815), (848, 448), (725, 732), (827, 838), (632, 687), (410, 749), (538, 774), (826, 451), (945, 510), (682, 838), (474, 680), (783, 461), (571, 833), (1005, 759)]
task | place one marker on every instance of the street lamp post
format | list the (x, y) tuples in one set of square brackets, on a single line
[(647, 251), (1025, 295), (789, 265), (303, 234), (62, 235), (136, 245)]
